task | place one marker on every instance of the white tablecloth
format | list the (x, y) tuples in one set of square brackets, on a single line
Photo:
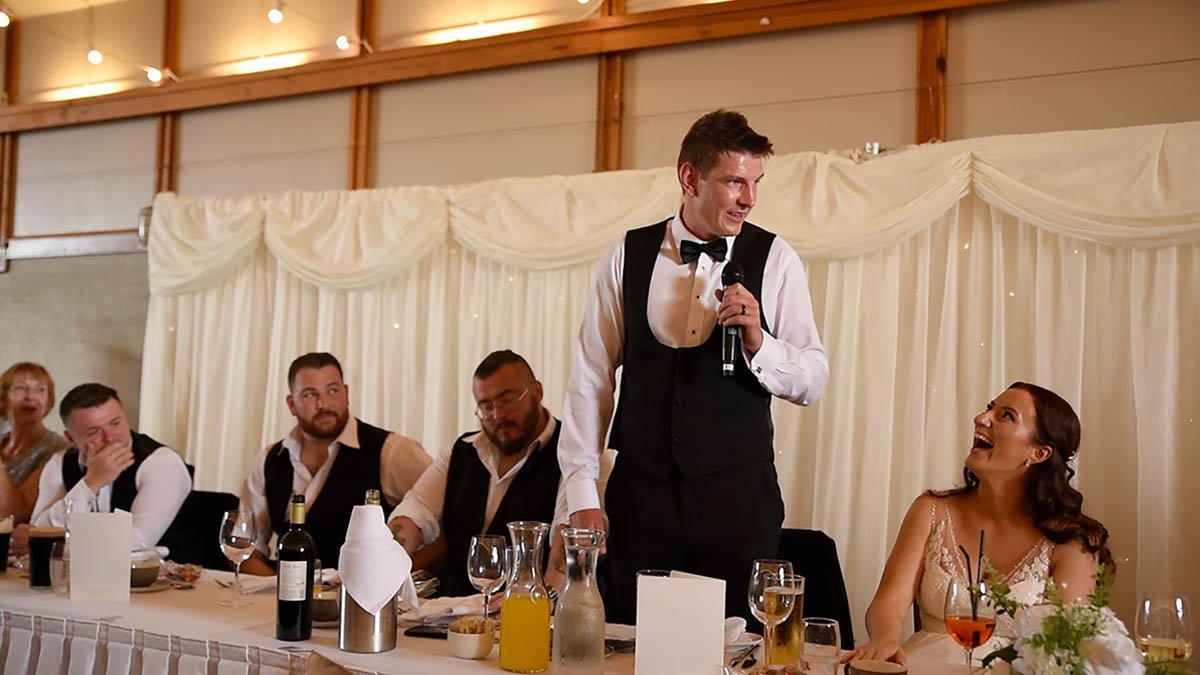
[(180, 632)]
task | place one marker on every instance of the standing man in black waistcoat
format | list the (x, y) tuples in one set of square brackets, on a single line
[(694, 487), (111, 467), (329, 458), (507, 471)]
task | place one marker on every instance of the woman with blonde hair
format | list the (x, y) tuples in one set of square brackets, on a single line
[(1017, 492), (26, 397)]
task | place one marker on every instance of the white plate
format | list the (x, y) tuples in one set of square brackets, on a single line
[(745, 640), (158, 585)]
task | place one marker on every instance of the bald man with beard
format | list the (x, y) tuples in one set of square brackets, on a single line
[(506, 471)]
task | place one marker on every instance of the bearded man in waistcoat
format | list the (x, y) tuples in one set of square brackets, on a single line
[(694, 487), (331, 458), (507, 470)]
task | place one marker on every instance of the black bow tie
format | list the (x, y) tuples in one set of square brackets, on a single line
[(690, 251)]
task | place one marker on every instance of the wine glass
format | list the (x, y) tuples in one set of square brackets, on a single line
[(1164, 628), (822, 644), (237, 543), (970, 615), (771, 599), (487, 565)]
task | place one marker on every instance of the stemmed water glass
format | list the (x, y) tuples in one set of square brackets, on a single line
[(771, 598), (1164, 628), (487, 565), (237, 543), (970, 615)]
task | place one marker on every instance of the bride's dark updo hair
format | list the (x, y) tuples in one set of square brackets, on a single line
[(1056, 506)]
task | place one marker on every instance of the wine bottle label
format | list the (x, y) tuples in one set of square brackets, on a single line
[(293, 577)]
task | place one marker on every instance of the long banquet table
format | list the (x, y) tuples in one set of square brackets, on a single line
[(187, 632)]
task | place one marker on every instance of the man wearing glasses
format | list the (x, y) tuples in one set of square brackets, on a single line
[(330, 458), (507, 471)]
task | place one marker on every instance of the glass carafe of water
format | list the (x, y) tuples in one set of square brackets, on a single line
[(525, 612), (579, 618)]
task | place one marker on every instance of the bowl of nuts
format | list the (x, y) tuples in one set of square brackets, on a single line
[(471, 637)]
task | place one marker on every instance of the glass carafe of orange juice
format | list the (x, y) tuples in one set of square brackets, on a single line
[(525, 612)]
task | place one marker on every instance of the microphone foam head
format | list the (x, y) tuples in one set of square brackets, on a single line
[(732, 274)]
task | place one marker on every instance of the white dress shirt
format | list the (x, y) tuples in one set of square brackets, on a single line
[(162, 482), (425, 503), (682, 311), (402, 460)]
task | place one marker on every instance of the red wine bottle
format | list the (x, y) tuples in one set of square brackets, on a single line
[(293, 593)]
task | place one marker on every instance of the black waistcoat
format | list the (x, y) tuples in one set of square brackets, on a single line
[(354, 471), (124, 488), (675, 408), (530, 496)]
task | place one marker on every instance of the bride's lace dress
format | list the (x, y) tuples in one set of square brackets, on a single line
[(943, 561)]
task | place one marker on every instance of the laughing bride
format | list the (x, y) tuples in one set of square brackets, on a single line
[(1018, 493)]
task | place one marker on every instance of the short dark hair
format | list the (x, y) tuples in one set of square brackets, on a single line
[(87, 395), (497, 360), (315, 360), (718, 133)]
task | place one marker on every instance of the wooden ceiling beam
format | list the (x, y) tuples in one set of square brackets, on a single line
[(602, 35)]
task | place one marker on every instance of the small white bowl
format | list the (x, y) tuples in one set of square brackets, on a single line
[(471, 645)]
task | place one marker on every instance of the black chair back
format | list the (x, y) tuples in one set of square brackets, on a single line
[(193, 536), (814, 556)]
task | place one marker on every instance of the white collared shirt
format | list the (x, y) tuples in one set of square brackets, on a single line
[(682, 312), (425, 503), (402, 460), (162, 483)]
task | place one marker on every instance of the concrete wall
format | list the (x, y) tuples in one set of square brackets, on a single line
[(82, 318)]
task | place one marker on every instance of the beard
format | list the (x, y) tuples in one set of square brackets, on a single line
[(320, 426), (517, 434)]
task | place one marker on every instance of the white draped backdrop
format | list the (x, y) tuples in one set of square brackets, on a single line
[(939, 275)]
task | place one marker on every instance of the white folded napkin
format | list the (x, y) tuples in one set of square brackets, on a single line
[(257, 584), (254, 584), (438, 608), (373, 566), (734, 627)]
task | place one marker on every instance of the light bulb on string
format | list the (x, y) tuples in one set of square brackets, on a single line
[(5, 19), (275, 14), (94, 57), (154, 75), (342, 42)]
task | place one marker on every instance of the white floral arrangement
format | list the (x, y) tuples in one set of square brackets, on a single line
[(1058, 638)]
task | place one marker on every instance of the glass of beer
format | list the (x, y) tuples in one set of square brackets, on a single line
[(41, 543), (6, 528), (787, 647)]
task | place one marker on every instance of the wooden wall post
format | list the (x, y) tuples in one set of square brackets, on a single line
[(610, 100), (362, 104), (166, 143), (932, 36)]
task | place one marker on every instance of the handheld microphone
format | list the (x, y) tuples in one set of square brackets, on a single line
[(731, 337)]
